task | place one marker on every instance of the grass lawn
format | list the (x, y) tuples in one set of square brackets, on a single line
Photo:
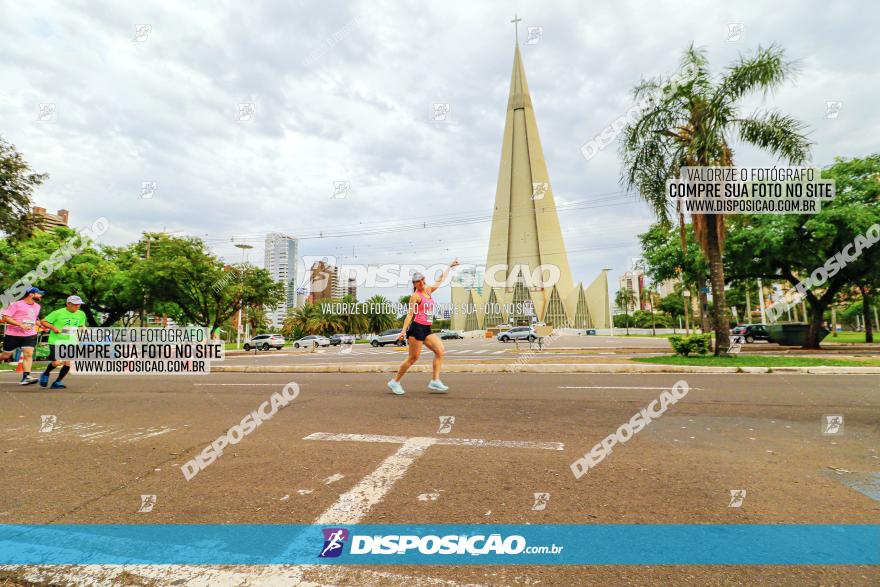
[(755, 361), (847, 336)]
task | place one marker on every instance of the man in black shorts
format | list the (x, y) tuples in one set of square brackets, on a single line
[(21, 319)]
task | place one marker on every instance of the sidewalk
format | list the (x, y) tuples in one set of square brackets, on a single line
[(532, 367)]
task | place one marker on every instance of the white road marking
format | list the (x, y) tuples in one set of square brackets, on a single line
[(479, 352), (498, 352), (333, 478), (353, 505), (340, 437), (611, 387), (236, 384), (350, 508)]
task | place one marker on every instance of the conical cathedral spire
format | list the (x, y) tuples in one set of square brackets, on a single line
[(525, 226), (525, 237)]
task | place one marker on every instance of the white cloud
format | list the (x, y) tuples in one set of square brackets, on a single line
[(342, 92)]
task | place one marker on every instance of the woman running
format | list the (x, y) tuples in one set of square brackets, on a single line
[(417, 330)]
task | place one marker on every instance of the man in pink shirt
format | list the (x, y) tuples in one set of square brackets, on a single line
[(21, 318)]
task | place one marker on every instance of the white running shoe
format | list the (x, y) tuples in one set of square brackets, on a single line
[(437, 386), (395, 387)]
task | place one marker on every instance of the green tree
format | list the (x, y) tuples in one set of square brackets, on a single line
[(17, 185), (664, 258), (624, 299), (673, 306), (354, 321), (296, 323), (377, 319), (692, 122), (791, 247), (189, 284), (100, 274)]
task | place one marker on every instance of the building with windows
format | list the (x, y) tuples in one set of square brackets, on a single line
[(634, 281), (281, 252), (47, 220), (323, 281)]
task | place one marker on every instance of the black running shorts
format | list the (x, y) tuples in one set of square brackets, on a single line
[(418, 331), (10, 343)]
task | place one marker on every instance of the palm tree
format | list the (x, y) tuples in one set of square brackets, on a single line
[(297, 320), (692, 122), (647, 296), (323, 320), (378, 318), (354, 321), (624, 299)]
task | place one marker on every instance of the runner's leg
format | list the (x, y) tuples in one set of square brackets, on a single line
[(434, 343), (415, 349), (64, 371), (27, 359)]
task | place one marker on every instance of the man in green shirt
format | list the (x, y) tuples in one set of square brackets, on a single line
[(63, 323)]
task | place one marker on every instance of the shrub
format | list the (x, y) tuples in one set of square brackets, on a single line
[(695, 343)]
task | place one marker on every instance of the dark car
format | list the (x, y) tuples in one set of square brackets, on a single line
[(338, 339), (447, 334), (751, 332)]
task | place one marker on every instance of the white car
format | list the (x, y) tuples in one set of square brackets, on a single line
[(518, 333), (264, 342), (312, 340), (389, 336)]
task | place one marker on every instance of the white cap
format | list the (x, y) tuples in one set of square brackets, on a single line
[(75, 300)]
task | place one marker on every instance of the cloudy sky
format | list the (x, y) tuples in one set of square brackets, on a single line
[(343, 91)]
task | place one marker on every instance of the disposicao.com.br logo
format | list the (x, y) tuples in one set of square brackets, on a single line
[(451, 544)]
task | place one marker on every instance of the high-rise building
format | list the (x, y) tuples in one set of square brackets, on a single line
[(526, 237), (280, 261), (47, 221), (633, 281), (323, 281)]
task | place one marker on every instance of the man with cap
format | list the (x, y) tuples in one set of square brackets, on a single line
[(21, 319), (63, 323)]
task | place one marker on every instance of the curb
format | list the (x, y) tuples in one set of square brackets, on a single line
[(537, 368)]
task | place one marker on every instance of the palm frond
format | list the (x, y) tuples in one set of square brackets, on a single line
[(778, 133), (765, 70)]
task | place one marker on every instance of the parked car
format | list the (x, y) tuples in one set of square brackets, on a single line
[(312, 340), (338, 339), (264, 342), (751, 332), (445, 333), (590, 332), (518, 333), (388, 337)]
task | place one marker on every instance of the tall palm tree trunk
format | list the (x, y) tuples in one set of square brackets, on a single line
[(716, 276), (866, 313)]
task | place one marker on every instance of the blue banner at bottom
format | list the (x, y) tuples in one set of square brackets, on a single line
[(595, 544)]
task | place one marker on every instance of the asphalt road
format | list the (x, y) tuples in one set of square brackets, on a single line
[(464, 350), (115, 439)]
